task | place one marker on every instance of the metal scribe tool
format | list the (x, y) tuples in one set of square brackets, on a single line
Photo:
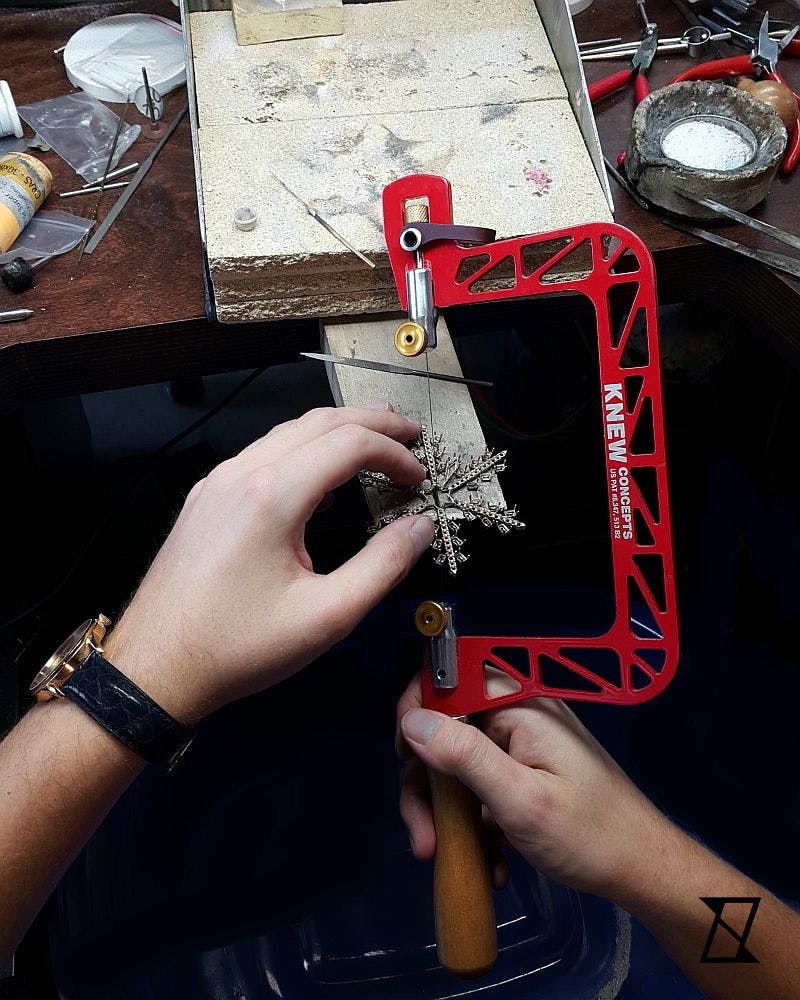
[(15, 315), (380, 366), (325, 224)]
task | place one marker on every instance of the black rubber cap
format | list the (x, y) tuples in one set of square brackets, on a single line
[(17, 275)]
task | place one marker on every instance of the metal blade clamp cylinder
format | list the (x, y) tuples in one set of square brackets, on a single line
[(419, 332)]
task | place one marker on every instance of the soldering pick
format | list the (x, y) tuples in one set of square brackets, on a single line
[(325, 224)]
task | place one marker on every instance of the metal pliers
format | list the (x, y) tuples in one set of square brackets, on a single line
[(637, 71), (763, 62)]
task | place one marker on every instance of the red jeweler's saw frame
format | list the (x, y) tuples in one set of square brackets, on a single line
[(639, 660)]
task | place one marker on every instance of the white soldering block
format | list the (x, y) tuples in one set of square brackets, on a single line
[(276, 20)]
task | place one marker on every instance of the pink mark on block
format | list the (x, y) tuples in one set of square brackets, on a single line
[(539, 179)]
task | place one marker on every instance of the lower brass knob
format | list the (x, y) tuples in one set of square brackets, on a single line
[(430, 618)]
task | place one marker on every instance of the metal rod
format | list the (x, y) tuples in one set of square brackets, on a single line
[(604, 41), (34, 264), (92, 190), (716, 26), (628, 54), (625, 47), (115, 141), (778, 261), (746, 220), (119, 172), (664, 45), (379, 366), (661, 50), (134, 183), (337, 235), (151, 111), (626, 185)]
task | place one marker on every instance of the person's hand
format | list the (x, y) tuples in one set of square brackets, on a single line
[(554, 793), (231, 603)]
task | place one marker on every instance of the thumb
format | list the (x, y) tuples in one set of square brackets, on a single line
[(464, 751), (383, 562)]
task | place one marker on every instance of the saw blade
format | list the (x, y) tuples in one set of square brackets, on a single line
[(380, 366)]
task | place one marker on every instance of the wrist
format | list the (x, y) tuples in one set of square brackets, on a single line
[(155, 669), (69, 733), (664, 857)]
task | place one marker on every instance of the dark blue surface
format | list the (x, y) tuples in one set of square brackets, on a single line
[(273, 862), (189, 866)]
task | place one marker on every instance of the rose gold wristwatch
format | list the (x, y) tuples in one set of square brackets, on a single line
[(69, 656), (78, 671)]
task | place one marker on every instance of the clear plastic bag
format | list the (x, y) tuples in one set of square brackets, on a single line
[(118, 66), (81, 130), (48, 233)]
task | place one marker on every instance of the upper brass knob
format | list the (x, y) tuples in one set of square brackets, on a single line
[(410, 339)]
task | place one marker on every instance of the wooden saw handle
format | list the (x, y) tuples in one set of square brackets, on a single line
[(466, 932)]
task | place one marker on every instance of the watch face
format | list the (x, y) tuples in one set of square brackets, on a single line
[(67, 649)]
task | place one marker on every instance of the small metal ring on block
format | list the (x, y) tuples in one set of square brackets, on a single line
[(245, 219)]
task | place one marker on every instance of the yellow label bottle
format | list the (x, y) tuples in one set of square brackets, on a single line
[(25, 182)]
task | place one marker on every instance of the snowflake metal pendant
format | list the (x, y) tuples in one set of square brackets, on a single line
[(448, 495)]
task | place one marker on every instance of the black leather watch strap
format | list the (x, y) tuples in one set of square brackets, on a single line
[(118, 705)]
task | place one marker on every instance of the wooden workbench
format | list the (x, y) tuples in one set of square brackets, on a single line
[(135, 311)]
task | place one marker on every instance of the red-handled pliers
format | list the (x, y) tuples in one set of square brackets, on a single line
[(637, 71), (763, 62)]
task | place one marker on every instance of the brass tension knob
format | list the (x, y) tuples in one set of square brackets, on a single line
[(410, 339), (430, 618)]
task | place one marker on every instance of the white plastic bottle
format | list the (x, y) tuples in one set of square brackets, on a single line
[(9, 119)]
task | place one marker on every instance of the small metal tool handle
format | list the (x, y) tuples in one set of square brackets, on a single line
[(466, 931), (646, 22), (641, 88), (717, 70), (792, 156), (609, 85)]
